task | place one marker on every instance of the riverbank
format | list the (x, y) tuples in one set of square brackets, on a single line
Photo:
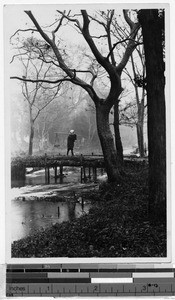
[(117, 226)]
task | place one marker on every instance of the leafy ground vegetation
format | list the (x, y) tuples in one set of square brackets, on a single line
[(117, 225)]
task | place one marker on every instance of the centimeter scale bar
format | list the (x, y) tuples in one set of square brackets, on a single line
[(70, 279)]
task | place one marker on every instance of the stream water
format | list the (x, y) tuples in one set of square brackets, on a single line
[(31, 211), (30, 216)]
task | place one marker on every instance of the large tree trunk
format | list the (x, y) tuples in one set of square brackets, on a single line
[(107, 143), (118, 142), (31, 140), (152, 38), (140, 139), (139, 126), (31, 136), (140, 112)]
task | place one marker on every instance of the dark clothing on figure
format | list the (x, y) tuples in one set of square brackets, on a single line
[(70, 142)]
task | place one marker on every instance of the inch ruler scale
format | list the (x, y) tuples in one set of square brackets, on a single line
[(59, 280)]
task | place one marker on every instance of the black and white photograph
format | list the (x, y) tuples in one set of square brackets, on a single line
[(87, 118)]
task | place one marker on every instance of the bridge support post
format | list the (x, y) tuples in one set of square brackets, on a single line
[(48, 175), (61, 174), (81, 180), (55, 174), (89, 173), (45, 162), (45, 175), (84, 173), (94, 174)]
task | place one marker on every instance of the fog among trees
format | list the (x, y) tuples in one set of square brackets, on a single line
[(72, 107)]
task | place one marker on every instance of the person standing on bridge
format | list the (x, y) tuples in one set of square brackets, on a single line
[(70, 141)]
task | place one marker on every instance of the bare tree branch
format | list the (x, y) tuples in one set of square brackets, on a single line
[(113, 47), (127, 19), (108, 30), (62, 64), (23, 30), (131, 44), (41, 80), (99, 37), (59, 25), (16, 55), (88, 38), (69, 18), (44, 106)]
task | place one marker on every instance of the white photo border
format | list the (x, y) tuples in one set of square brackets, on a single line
[(170, 139)]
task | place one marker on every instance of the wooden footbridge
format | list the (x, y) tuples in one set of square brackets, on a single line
[(88, 165)]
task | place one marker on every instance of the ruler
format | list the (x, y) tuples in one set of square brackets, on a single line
[(59, 280)]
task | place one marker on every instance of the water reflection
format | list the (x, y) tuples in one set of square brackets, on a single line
[(30, 216), (38, 177)]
